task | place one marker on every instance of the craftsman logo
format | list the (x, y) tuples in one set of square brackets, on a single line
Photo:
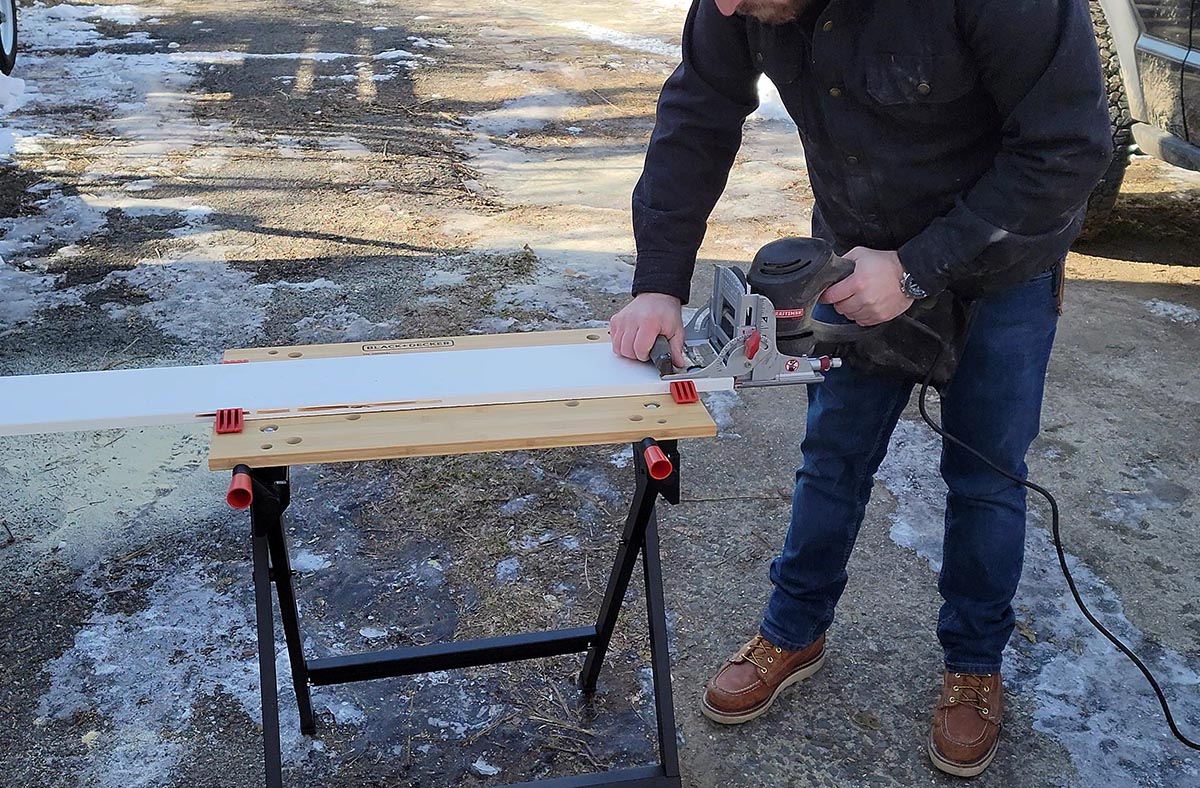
[(789, 314), (401, 347)]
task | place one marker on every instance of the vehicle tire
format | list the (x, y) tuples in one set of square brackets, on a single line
[(8, 35), (1100, 204)]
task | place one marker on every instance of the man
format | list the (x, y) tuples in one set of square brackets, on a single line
[(951, 146)]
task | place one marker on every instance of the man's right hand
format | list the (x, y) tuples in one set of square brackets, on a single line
[(647, 317)]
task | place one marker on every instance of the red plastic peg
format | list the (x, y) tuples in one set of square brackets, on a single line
[(657, 463), (241, 489)]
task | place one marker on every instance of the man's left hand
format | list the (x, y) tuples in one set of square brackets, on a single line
[(872, 294)]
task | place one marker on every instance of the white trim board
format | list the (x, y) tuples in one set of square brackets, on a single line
[(65, 402)]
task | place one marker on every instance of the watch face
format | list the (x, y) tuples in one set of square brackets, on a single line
[(912, 288)]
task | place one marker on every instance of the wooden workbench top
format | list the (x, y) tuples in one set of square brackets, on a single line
[(451, 430)]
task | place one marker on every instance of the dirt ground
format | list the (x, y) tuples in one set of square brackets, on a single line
[(188, 177)]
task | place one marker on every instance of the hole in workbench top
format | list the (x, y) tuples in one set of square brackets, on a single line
[(270, 428), (636, 417), (294, 441), (593, 337), (662, 421), (573, 403), (267, 446), (272, 352), (353, 417), (651, 405), (295, 354)]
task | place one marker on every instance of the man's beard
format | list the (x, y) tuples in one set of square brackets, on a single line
[(773, 12)]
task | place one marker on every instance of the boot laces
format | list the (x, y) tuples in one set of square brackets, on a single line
[(760, 653), (971, 690)]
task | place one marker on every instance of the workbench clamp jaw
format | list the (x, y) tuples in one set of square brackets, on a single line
[(736, 336)]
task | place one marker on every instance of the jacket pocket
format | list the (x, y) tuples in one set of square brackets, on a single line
[(919, 79)]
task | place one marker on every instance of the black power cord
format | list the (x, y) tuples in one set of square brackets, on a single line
[(1054, 530)]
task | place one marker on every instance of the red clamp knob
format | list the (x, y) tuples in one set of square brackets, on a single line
[(753, 342), (657, 463), (826, 363), (241, 489)]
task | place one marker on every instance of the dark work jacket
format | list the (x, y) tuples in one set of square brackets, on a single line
[(966, 134)]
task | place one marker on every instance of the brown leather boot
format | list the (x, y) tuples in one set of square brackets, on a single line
[(966, 723), (749, 681)]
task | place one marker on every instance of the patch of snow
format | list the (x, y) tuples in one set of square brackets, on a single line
[(1178, 313), (516, 505), (346, 146), (344, 713), (484, 769), (651, 46), (398, 54), (426, 43), (527, 113), (721, 404), (308, 561), (622, 458), (595, 482), (143, 671), (444, 279), (198, 299), (140, 185), (508, 570), (24, 294), (62, 220), (340, 325), (320, 283)]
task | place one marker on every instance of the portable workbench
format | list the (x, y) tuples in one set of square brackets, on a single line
[(261, 453)]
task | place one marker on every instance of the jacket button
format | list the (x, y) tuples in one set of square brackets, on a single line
[(835, 92), (758, 56), (852, 160), (827, 26), (923, 88)]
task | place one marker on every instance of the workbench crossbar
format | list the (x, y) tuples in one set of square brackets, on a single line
[(449, 656), (272, 566)]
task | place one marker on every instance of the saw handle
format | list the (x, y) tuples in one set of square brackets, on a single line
[(838, 328), (660, 356)]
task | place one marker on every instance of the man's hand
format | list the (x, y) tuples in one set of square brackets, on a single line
[(645, 319), (872, 294)]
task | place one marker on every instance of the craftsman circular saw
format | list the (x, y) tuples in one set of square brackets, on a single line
[(759, 328)]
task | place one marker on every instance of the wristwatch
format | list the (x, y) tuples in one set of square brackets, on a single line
[(910, 288)]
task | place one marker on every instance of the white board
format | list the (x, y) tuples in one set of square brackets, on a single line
[(32, 404)]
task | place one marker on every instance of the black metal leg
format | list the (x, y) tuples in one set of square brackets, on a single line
[(272, 495), (266, 656), (641, 510), (281, 570), (660, 656)]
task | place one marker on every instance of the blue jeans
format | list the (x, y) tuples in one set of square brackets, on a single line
[(993, 404)]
